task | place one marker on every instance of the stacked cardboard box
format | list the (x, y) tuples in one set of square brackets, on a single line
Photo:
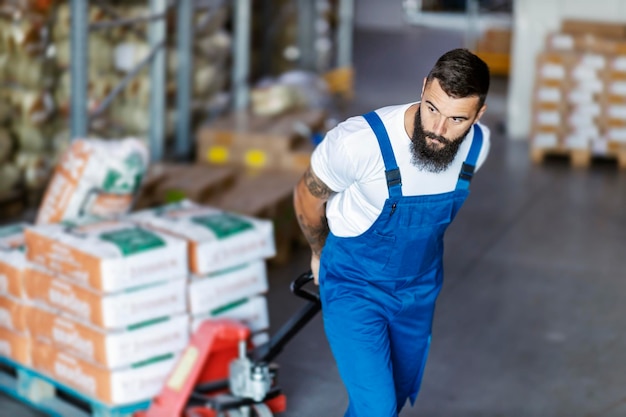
[(494, 47), (579, 102), (248, 140), (109, 311)]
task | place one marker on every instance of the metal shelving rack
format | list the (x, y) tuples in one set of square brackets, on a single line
[(80, 28)]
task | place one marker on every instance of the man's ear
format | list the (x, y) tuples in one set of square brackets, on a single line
[(480, 113)]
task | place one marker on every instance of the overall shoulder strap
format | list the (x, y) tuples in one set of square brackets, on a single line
[(468, 167), (392, 172)]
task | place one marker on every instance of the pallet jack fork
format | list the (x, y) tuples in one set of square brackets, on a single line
[(217, 376)]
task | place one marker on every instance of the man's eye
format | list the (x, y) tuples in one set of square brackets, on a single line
[(456, 120)]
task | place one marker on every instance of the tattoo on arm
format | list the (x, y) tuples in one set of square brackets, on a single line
[(316, 187), (315, 234)]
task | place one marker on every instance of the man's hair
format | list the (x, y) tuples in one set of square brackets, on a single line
[(461, 74)]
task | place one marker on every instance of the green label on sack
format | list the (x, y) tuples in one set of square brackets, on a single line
[(135, 240), (223, 224), (128, 180)]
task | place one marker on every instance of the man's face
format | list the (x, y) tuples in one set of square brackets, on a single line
[(441, 124)]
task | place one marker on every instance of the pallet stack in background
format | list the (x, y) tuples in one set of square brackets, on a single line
[(579, 99)]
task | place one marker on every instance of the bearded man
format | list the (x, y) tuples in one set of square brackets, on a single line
[(374, 206)]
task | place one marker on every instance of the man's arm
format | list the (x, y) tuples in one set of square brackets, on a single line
[(310, 196)]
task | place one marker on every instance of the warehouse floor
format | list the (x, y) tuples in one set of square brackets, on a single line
[(528, 322)]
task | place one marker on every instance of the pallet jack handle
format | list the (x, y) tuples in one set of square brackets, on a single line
[(268, 351)]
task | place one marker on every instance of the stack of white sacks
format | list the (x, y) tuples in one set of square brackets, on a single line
[(227, 252), (14, 306), (106, 306)]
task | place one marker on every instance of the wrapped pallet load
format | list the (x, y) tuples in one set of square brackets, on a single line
[(94, 177)]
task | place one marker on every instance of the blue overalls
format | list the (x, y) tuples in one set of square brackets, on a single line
[(378, 289)]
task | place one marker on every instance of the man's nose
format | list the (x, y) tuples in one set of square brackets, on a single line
[(439, 128)]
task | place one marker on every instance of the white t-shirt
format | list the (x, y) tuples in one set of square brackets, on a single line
[(349, 162)]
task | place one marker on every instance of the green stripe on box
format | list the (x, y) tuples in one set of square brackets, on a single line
[(147, 323), (229, 306), (152, 360)]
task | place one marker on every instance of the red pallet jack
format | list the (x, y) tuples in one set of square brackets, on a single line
[(218, 376)]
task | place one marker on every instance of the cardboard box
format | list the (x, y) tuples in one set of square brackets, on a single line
[(215, 291), (108, 256), (115, 387), (546, 137), (107, 310), (256, 141), (217, 239), (584, 43), (495, 40), (594, 27), (109, 348)]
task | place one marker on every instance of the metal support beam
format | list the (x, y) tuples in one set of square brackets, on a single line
[(156, 36), (345, 33), (472, 34), (307, 15), (184, 84), (241, 54), (79, 70)]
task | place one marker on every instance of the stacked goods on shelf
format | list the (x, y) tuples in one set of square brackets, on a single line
[(27, 77), (114, 52), (109, 311), (579, 99), (276, 35), (15, 340)]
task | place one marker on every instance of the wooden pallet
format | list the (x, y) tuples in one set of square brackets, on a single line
[(579, 158), (53, 398)]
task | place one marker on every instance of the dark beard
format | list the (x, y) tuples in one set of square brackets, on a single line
[(428, 158)]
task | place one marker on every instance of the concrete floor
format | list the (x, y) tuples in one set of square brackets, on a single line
[(528, 321)]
